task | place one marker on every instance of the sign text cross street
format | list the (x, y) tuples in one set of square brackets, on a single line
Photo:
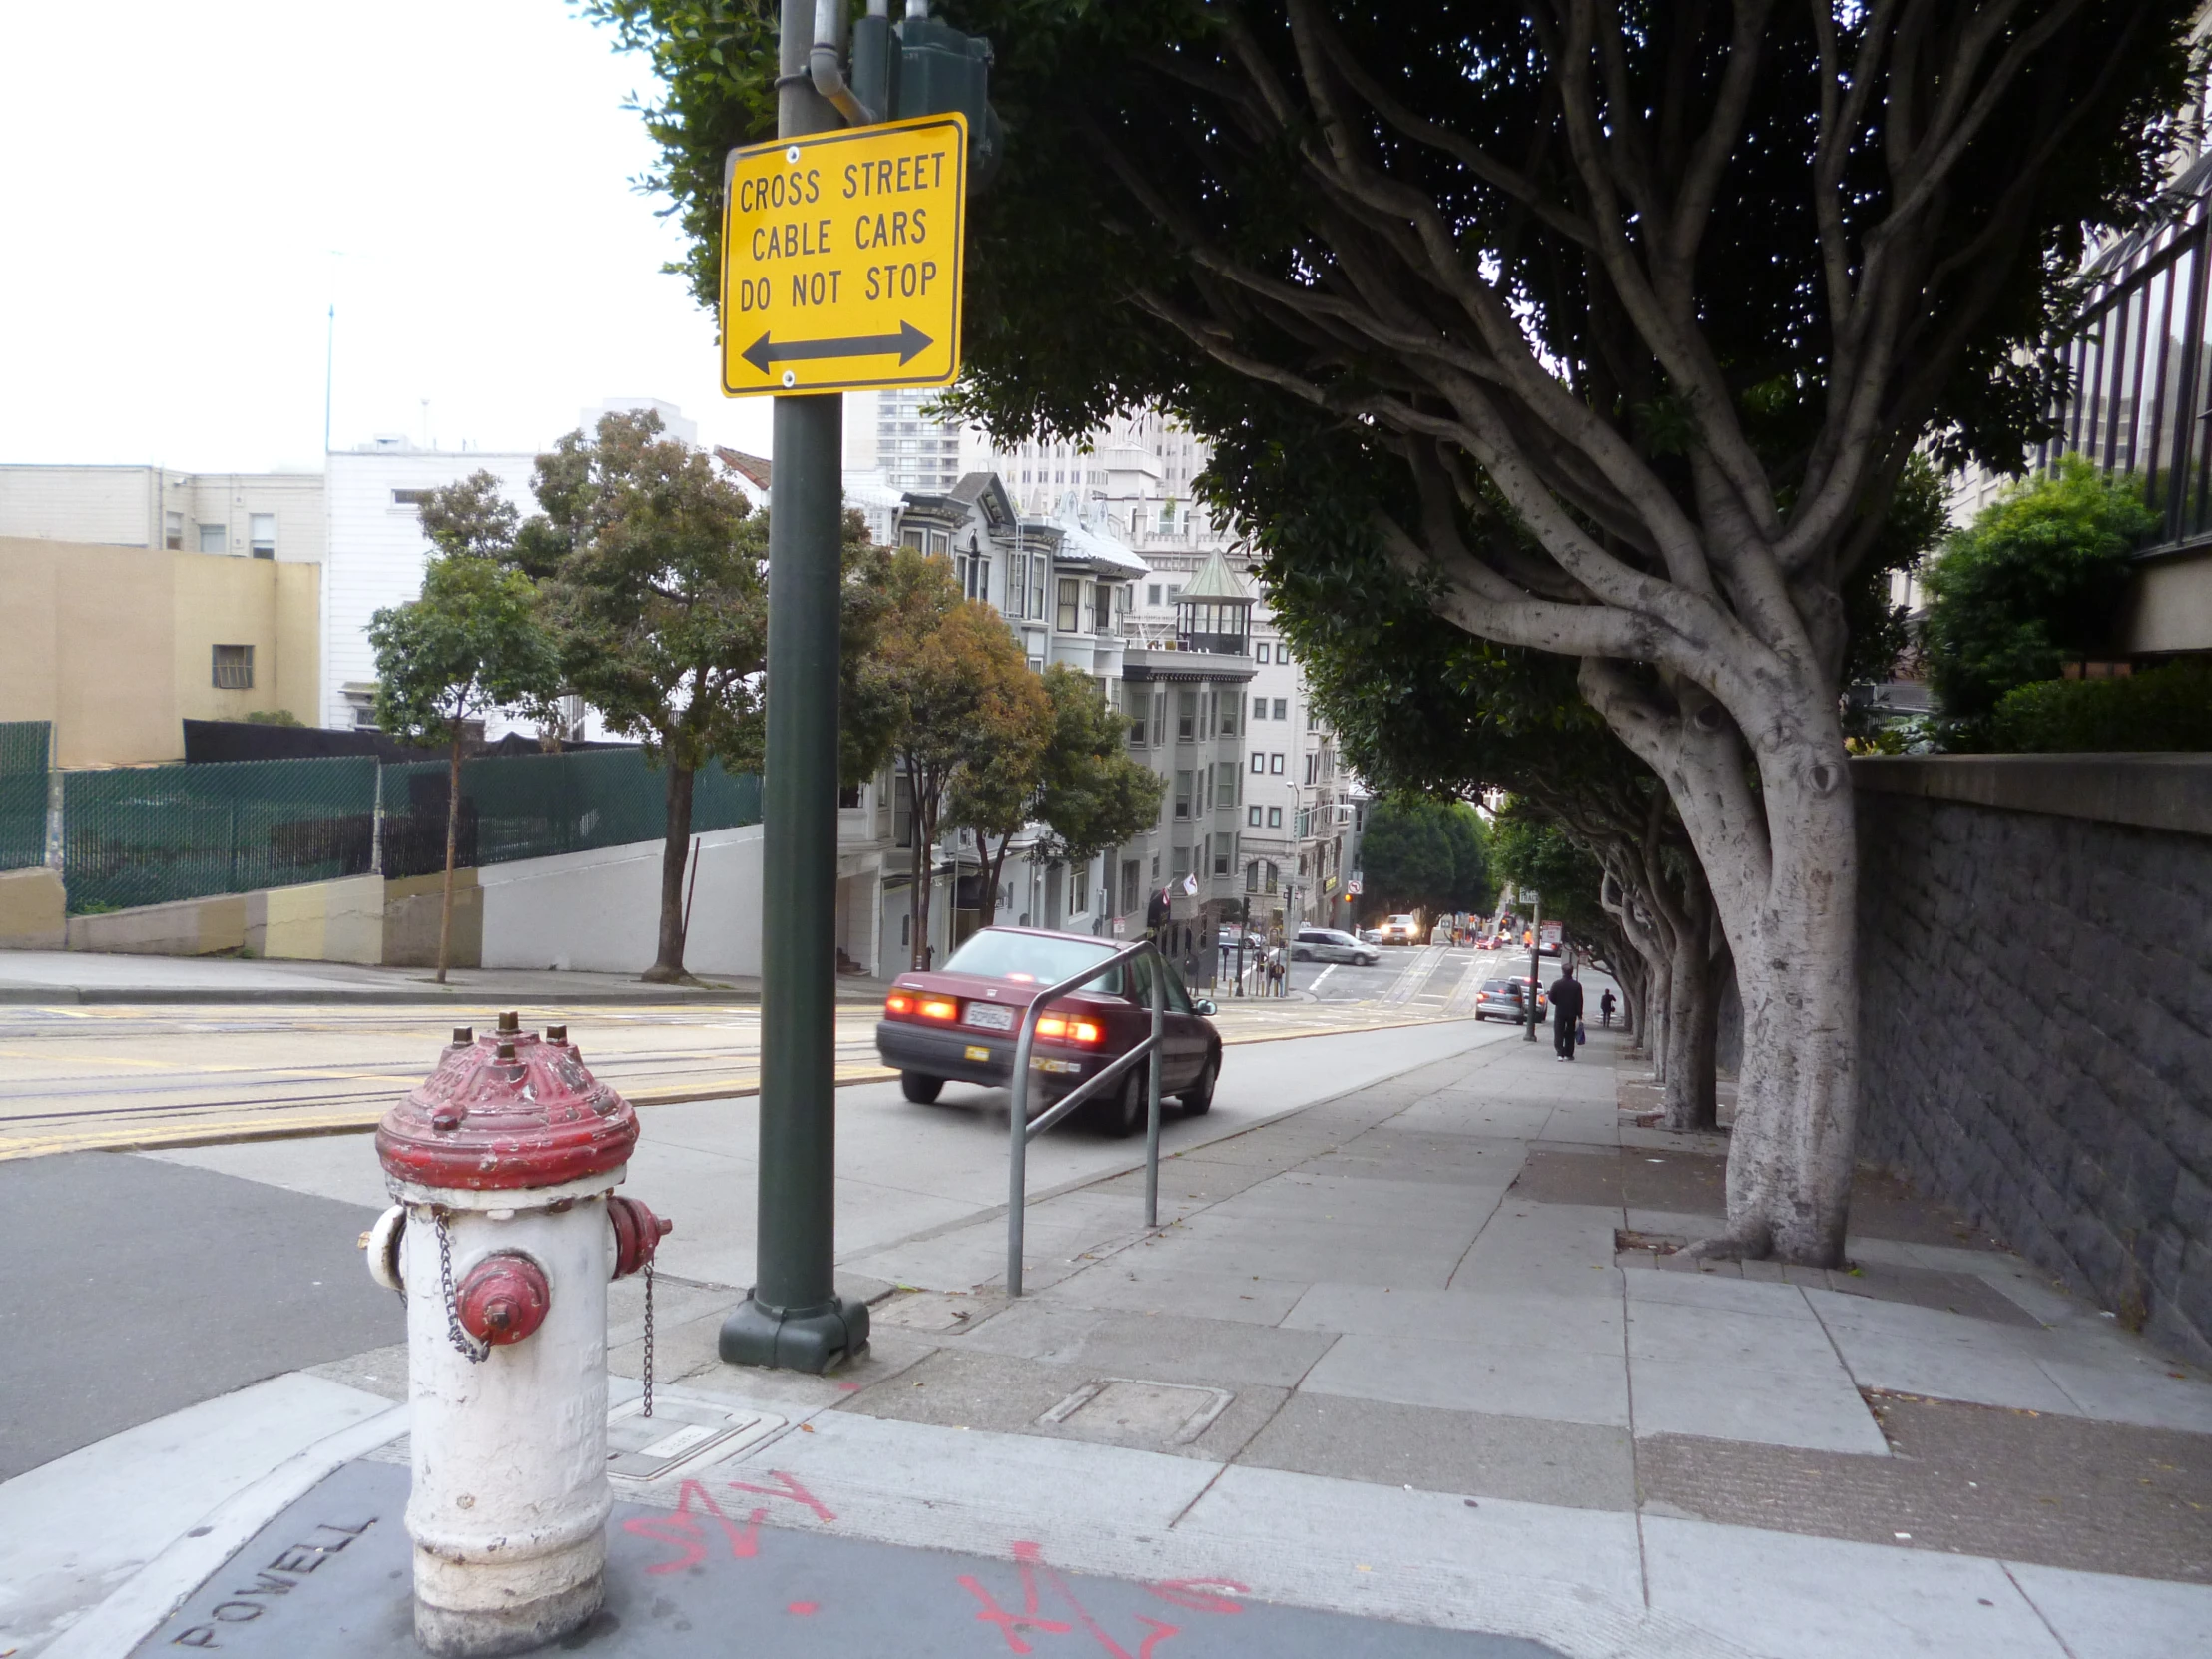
[(841, 259)]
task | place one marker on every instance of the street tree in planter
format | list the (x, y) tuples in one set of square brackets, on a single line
[(471, 644)]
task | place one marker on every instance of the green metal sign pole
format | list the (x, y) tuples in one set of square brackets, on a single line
[(794, 1317)]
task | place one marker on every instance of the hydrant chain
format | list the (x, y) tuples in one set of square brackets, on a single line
[(648, 1411), (467, 1345)]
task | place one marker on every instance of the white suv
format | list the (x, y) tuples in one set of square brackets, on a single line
[(1402, 931)]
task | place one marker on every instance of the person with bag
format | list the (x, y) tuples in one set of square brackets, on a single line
[(1566, 1014)]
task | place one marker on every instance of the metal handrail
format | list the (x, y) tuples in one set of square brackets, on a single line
[(1017, 1174)]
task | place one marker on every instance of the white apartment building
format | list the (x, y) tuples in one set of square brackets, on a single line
[(258, 515)]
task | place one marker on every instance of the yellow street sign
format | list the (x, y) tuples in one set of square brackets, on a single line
[(841, 258)]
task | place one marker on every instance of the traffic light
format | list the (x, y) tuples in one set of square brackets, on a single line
[(914, 67)]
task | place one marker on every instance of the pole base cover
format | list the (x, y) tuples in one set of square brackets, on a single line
[(810, 1339)]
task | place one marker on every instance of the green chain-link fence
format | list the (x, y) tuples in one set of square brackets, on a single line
[(149, 835), (536, 806), (23, 765)]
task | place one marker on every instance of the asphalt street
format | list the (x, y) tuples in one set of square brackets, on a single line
[(1430, 981)]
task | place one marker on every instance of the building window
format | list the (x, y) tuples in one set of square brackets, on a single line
[(902, 811), (1186, 715), (1159, 720), (1136, 731), (1259, 708), (1079, 890), (1260, 653), (173, 532), (1271, 874), (1309, 762), (1275, 818), (410, 498), (1227, 706), (1152, 593), (261, 537), (234, 668), (1226, 790), (1274, 765), (212, 538), (1071, 619), (1181, 867), (1282, 707), (1252, 876), (849, 798), (1259, 761), (1131, 875), (1182, 795), (1224, 850)]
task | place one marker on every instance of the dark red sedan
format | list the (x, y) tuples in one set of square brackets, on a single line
[(960, 1021)]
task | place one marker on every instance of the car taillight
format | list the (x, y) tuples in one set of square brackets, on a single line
[(1069, 1030), (899, 1003), (940, 1008)]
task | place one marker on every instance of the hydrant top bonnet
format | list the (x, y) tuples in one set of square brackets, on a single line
[(507, 1111)]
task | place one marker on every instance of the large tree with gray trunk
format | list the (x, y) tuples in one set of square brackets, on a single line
[(1675, 290)]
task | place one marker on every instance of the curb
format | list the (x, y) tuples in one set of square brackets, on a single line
[(137, 1608)]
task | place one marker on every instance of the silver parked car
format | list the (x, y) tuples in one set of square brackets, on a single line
[(1329, 944)]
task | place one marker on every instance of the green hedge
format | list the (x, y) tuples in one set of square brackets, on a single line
[(2162, 709)]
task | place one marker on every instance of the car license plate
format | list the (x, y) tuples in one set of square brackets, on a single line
[(990, 1018), (976, 1051)]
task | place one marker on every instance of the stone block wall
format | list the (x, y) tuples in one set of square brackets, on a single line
[(2036, 975)]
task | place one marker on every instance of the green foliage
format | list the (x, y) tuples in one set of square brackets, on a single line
[(2034, 581), (272, 717), (1091, 793), (471, 644), (1915, 522), (1531, 853), (1423, 853), (652, 569), (2164, 709)]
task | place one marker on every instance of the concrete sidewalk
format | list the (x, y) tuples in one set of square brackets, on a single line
[(81, 976), (1395, 1356)]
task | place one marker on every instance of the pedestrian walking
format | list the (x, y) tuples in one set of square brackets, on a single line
[(1566, 1014), (1605, 1007)]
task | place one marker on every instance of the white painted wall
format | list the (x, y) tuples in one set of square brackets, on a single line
[(600, 911)]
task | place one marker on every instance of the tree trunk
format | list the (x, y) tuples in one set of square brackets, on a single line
[(668, 963), (925, 883), (1687, 1090), (1797, 1101), (452, 845), (1780, 855)]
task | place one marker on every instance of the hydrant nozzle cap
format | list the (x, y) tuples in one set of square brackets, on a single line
[(510, 1022), (463, 1036)]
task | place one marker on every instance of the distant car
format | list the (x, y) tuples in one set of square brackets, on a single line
[(1369, 935), (1502, 1000), (1331, 945), (1401, 929), (960, 1021)]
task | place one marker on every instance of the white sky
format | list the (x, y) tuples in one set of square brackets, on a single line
[(190, 185)]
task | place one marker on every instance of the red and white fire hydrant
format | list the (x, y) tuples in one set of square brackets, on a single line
[(504, 1161)]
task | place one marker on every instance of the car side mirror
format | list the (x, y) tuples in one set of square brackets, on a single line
[(1203, 1008)]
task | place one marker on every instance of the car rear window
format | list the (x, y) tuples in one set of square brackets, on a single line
[(1505, 985), (1029, 958)]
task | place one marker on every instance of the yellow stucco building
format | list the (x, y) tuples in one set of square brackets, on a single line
[(118, 646)]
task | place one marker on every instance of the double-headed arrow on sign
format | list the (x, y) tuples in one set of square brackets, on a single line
[(908, 344)]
